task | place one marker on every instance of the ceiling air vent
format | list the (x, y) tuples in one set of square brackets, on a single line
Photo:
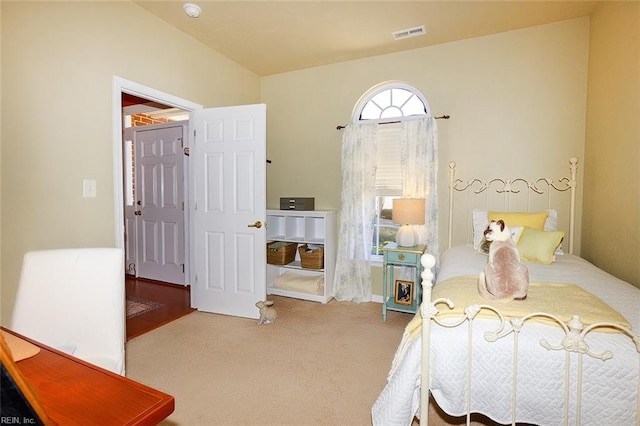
[(409, 32)]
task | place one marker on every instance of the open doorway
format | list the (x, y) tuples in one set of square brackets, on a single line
[(155, 177), (132, 99), (239, 133)]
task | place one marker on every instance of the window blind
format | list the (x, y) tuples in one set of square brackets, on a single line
[(388, 169)]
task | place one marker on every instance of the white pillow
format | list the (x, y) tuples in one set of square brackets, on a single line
[(551, 224), (480, 221), (516, 232)]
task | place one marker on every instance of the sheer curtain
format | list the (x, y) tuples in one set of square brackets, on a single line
[(419, 156), (352, 280), (419, 161)]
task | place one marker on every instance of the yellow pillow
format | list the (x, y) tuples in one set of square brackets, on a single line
[(539, 246), (529, 220)]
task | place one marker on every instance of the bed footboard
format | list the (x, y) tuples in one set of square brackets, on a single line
[(572, 343), (427, 312)]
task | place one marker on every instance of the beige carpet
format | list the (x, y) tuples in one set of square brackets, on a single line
[(318, 365)]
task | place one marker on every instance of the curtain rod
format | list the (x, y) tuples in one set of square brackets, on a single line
[(442, 117)]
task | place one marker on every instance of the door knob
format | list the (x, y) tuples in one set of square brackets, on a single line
[(257, 224)]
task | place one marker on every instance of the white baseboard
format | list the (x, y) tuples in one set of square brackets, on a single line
[(376, 298)]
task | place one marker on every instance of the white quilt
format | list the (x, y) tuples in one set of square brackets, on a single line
[(609, 387)]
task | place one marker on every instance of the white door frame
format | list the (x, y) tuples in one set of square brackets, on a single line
[(121, 85)]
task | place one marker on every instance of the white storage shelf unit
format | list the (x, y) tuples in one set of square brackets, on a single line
[(303, 227)]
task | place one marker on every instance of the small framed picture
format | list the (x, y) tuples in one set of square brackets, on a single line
[(403, 292)]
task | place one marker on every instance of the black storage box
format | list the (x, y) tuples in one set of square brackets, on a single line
[(297, 203)]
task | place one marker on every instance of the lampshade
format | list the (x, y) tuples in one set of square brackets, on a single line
[(408, 211)]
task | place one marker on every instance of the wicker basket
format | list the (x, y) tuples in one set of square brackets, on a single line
[(281, 253), (311, 259)]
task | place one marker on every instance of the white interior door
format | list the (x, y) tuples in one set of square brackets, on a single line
[(227, 174), (159, 203)]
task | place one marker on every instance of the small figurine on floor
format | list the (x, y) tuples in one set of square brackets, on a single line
[(268, 313), (505, 277)]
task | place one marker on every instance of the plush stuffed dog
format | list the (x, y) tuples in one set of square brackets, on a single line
[(268, 313), (504, 277)]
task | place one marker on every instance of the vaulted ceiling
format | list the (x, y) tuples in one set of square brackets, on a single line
[(270, 37)]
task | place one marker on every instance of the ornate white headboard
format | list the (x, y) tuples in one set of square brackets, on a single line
[(515, 194)]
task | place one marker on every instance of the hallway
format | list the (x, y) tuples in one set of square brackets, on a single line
[(175, 298)]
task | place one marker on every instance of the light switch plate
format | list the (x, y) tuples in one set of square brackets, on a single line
[(89, 188)]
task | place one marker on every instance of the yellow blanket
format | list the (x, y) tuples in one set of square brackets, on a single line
[(562, 300)]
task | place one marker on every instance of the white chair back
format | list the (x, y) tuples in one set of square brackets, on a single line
[(74, 300)]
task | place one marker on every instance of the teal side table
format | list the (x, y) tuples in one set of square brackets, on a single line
[(401, 295)]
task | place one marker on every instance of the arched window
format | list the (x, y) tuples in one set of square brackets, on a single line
[(391, 100), (388, 103), (392, 119)]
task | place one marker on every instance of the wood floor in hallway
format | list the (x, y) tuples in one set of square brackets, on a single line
[(175, 298)]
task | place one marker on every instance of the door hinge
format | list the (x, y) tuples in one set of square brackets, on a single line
[(181, 142), (183, 209), (183, 268)]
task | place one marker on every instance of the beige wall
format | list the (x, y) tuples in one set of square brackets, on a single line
[(517, 99), (521, 95), (59, 59), (611, 219)]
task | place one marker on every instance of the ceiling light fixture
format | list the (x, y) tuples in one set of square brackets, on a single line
[(192, 10), (409, 32)]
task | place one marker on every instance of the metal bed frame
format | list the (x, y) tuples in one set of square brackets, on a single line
[(574, 330)]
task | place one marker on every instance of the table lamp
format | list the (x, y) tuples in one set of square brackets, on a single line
[(407, 212)]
